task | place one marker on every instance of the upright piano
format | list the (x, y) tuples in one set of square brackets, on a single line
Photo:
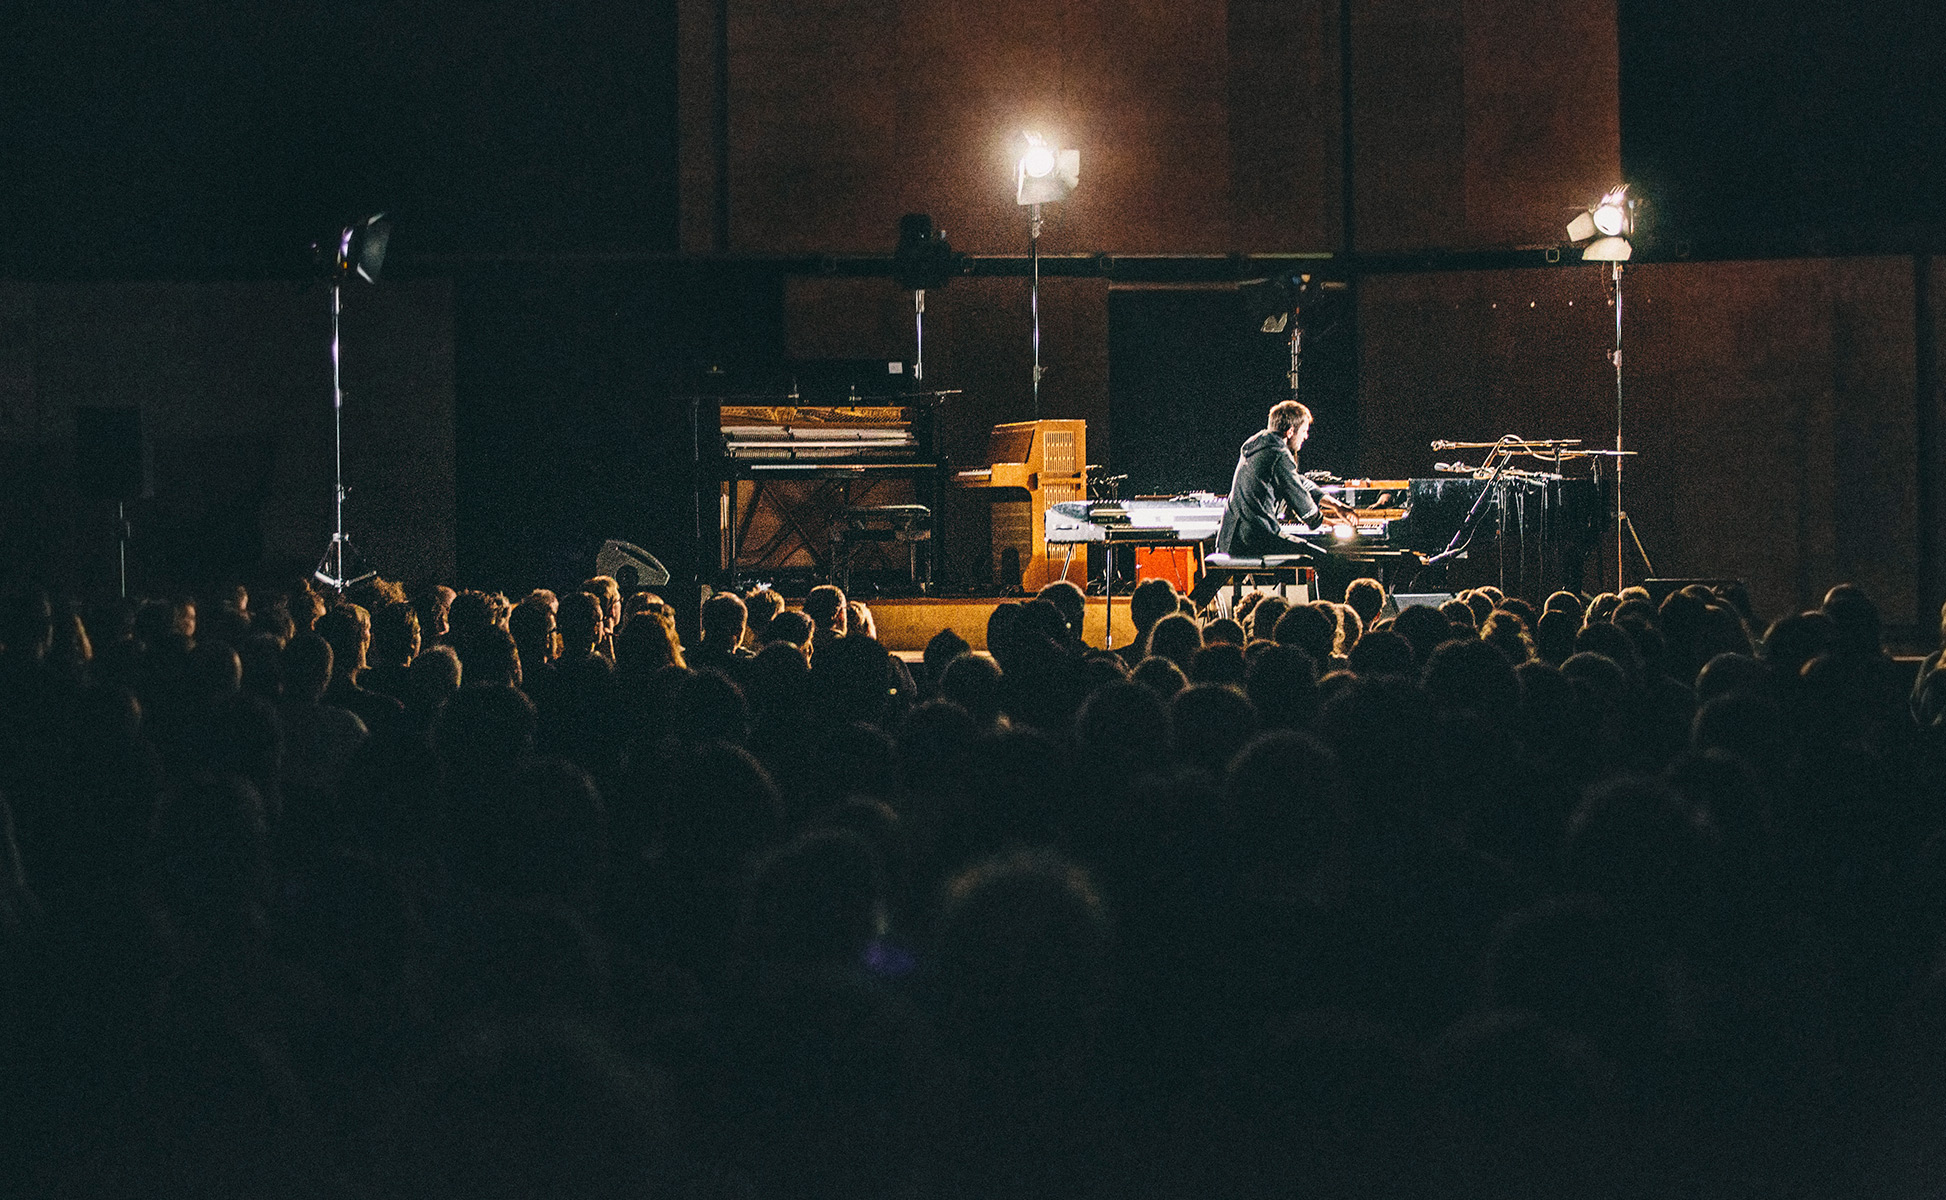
[(1031, 467), (782, 475)]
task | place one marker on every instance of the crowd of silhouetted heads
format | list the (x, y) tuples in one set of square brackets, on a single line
[(438, 894)]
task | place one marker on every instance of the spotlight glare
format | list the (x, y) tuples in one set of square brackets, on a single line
[(1038, 161), (1343, 531), (1611, 217), (1044, 173)]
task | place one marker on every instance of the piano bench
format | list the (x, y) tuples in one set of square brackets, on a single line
[(908, 523), (1278, 571)]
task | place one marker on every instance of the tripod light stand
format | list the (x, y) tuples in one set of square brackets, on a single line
[(360, 251), (1042, 175), (1613, 218)]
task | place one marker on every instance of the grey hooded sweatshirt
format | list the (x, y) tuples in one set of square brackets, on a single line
[(1266, 473)]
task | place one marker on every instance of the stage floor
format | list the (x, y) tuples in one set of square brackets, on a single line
[(910, 624)]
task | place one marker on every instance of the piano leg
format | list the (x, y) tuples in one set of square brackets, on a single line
[(1107, 592)]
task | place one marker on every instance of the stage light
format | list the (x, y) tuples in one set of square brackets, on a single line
[(1044, 173), (922, 260), (1344, 531), (358, 249), (1610, 215), (1612, 218), (1039, 159)]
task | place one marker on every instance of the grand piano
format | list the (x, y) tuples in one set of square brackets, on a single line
[(1527, 533)]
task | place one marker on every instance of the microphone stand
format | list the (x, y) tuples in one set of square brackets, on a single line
[(1464, 534)]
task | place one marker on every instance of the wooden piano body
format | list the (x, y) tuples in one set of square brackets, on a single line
[(784, 475), (1032, 466)]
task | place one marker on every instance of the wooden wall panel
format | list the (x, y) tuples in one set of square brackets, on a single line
[(812, 116), (1543, 123), (846, 113), (1204, 125), (1470, 356), (1286, 185), (1480, 122), (698, 31), (1790, 386), (1408, 121), (1770, 403)]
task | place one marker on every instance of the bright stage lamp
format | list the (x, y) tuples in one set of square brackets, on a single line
[(1045, 173), (1039, 159), (1612, 218)]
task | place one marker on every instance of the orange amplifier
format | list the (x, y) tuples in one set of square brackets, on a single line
[(1177, 564)]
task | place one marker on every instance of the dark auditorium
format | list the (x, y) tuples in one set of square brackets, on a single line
[(1030, 600)]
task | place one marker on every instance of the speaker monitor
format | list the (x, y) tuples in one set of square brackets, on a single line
[(630, 566)]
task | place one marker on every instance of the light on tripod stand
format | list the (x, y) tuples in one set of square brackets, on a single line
[(1611, 215), (922, 260), (1043, 174), (1614, 219), (357, 250)]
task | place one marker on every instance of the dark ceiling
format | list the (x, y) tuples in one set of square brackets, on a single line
[(181, 139)]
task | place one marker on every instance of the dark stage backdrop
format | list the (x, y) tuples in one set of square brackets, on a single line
[(227, 387), (1191, 374), (573, 426), (1795, 125), (186, 140), (1772, 406)]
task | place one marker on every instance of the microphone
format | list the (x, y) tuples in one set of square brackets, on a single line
[(1453, 468)]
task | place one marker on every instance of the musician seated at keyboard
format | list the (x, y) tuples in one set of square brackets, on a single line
[(1266, 477)]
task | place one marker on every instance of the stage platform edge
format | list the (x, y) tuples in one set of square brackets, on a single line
[(910, 624)]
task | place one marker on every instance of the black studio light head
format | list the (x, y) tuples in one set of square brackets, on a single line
[(1270, 303), (357, 249), (922, 259)]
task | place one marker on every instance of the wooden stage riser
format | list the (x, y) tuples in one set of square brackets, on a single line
[(910, 624)]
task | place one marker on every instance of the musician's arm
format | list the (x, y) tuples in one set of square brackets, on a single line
[(1298, 492)]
